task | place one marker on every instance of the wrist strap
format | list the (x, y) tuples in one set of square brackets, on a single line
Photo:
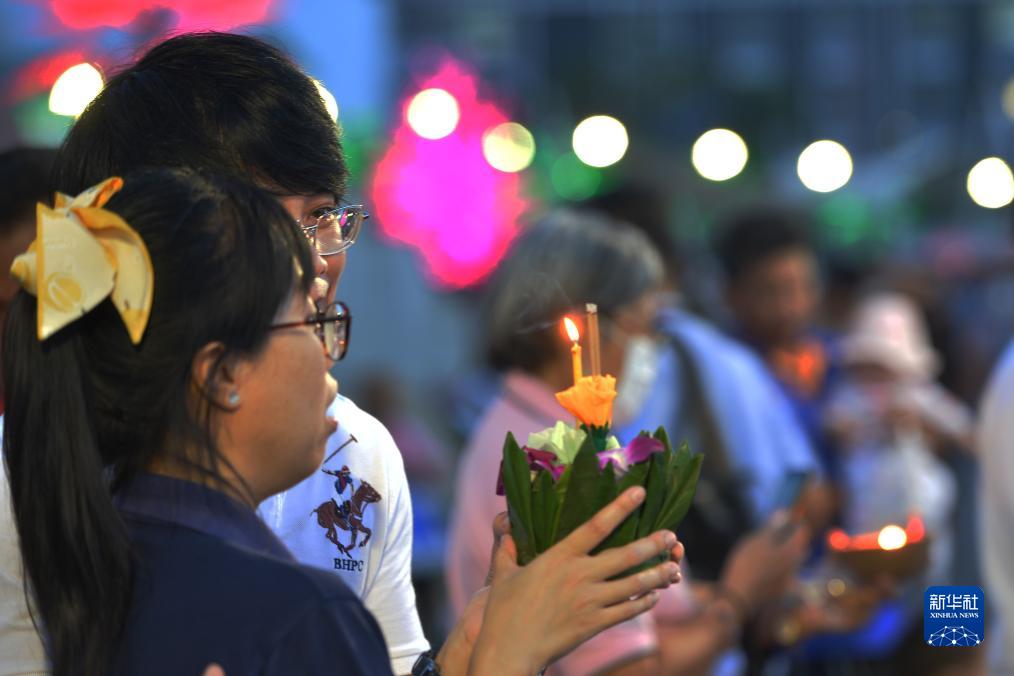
[(426, 665)]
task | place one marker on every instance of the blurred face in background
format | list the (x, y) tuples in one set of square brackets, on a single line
[(632, 321), (630, 351), (775, 300)]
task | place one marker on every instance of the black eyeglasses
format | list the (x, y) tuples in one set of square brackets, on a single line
[(335, 230), (333, 325)]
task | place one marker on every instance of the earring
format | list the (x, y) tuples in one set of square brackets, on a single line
[(234, 399)]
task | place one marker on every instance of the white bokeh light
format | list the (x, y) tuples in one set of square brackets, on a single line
[(991, 184), (330, 102), (508, 147), (75, 89), (892, 537), (433, 113), (719, 154), (824, 166), (600, 141)]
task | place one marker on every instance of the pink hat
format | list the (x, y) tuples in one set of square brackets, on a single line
[(888, 330)]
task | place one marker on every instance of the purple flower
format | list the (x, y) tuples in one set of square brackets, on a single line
[(545, 460), (637, 451), (537, 461)]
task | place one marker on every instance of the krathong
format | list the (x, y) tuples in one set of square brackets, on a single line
[(895, 550), (565, 474)]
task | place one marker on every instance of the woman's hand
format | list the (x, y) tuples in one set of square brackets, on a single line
[(538, 613), (460, 644)]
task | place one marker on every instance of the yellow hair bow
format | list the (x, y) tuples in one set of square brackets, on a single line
[(82, 253)]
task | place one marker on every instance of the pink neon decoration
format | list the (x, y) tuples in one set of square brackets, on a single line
[(441, 197), (191, 14)]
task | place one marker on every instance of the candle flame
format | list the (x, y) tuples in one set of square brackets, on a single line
[(571, 328), (888, 538), (892, 537)]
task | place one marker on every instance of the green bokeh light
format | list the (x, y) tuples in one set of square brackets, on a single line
[(847, 220), (573, 179), (38, 126)]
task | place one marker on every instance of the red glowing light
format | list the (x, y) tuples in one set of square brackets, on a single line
[(914, 530), (39, 75), (865, 541), (441, 196), (190, 14), (839, 539)]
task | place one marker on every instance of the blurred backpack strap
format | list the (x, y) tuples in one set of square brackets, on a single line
[(721, 512)]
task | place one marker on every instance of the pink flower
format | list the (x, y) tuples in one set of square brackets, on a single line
[(637, 451)]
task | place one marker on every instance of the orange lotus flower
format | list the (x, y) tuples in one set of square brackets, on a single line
[(590, 400)]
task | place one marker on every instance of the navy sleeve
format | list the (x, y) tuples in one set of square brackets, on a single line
[(331, 638)]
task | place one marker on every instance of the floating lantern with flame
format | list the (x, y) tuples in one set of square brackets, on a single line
[(893, 550)]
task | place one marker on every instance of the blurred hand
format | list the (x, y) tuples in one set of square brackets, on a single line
[(817, 505), (851, 609), (214, 670), (540, 612), (764, 564)]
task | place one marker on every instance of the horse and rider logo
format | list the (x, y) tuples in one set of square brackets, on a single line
[(347, 516)]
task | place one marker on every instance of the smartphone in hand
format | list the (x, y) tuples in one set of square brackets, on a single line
[(789, 493)]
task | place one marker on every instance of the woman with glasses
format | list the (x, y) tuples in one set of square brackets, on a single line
[(241, 107), (184, 401)]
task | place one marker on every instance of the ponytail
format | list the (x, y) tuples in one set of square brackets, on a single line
[(88, 409), (74, 544)]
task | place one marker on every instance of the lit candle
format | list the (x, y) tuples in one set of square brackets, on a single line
[(593, 338), (575, 349)]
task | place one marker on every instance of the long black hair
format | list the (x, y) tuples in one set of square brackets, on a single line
[(87, 410), (224, 102)]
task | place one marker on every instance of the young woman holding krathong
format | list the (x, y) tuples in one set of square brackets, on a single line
[(164, 321)]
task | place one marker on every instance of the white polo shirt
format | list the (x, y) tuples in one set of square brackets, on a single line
[(21, 650), (353, 516)]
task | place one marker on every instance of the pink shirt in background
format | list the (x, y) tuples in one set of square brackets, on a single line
[(525, 405)]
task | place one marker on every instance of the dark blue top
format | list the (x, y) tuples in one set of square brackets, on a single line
[(213, 584)]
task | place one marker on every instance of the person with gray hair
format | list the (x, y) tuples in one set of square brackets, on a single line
[(568, 258), (562, 261)]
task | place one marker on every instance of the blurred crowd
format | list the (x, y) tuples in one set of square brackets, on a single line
[(835, 387), (832, 394)]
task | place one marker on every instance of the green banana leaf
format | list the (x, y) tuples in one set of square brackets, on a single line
[(543, 512)]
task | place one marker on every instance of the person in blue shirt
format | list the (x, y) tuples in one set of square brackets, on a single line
[(772, 286), (166, 322), (763, 437)]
